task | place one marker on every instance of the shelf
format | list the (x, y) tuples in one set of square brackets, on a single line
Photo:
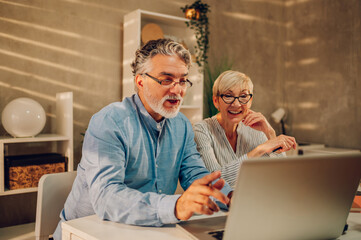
[(18, 191), (39, 138), (60, 141)]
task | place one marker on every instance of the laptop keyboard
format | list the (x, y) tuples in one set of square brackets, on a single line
[(217, 234)]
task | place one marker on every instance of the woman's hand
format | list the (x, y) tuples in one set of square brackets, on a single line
[(257, 121), (283, 142)]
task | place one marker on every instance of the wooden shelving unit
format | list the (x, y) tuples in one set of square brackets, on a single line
[(63, 139), (174, 28)]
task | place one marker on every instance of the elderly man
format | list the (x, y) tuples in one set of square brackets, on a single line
[(135, 151)]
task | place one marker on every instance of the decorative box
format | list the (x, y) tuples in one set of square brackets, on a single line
[(25, 171)]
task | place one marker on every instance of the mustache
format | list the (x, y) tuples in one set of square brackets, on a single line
[(173, 97)]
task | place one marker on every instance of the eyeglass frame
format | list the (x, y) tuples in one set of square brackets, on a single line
[(174, 83), (234, 98)]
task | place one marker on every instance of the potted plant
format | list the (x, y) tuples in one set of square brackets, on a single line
[(197, 13)]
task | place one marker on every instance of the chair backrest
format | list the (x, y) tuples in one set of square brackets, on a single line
[(53, 190)]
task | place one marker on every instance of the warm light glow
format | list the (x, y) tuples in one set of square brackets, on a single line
[(286, 3), (290, 3), (288, 64), (55, 65), (44, 45), (97, 6), (307, 41), (192, 13), (309, 84), (48, 80), (305, 126), (288, 43), (248, 17), (73, 2), (308, 61), (129, 22), (59, 49), (308, 105), (129, 43), (56, 31), (44, 96), (80, 124), (30, 92), (43, 28)]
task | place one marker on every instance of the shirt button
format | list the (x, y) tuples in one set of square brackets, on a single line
[(156, 165)]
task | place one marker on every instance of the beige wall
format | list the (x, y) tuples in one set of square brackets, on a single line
[(57, 45), (303, 55), (53, 46), (322, 60)]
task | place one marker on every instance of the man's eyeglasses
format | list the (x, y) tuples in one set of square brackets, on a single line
[(169, 82), (229, 99)]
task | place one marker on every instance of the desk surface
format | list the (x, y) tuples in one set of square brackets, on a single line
[(91, 228)]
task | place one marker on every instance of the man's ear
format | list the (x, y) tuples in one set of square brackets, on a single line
[(139, 81)]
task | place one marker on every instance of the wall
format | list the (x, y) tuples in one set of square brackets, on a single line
[(59, 45), (250, 34), (50, 46), (322, 59), (303, 55)]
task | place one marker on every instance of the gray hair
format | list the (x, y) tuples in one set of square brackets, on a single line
[(230, 79), (164, 46)]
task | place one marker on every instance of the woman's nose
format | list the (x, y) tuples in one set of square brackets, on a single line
[(236, 103)]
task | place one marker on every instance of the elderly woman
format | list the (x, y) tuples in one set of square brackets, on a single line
[(236, 133)]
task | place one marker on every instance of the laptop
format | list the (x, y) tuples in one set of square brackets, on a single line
[(300, 197)]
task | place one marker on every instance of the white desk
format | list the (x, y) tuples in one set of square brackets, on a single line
[(91, 228)]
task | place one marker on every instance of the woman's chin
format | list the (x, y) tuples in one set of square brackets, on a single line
[(235, 120)]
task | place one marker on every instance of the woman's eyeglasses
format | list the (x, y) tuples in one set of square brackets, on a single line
[(229, 99)]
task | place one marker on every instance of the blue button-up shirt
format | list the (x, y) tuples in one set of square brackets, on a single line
[(130, 166)]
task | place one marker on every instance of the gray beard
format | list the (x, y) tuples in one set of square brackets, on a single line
[(157, 106)]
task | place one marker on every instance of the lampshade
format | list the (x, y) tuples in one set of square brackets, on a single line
[(23, 117), (278, 115)]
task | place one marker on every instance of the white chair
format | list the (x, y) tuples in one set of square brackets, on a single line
[(53, 190)]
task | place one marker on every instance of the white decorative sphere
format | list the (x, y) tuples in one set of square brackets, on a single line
[(23, 117)]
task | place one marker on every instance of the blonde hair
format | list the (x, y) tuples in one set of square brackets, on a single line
[(230, 79)]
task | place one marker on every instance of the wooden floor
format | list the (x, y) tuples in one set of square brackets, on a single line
[(18, 232)]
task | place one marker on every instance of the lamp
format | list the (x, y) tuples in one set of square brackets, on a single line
[(278, 117), (23, 117)]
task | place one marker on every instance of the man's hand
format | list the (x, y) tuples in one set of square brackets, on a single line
[(196, 198)]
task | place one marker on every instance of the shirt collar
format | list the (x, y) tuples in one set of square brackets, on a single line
[(146, 116)]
